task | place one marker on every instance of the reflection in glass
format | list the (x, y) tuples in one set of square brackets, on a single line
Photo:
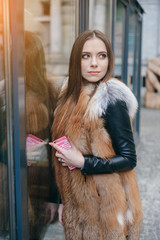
[(49, 35), (55, 25), (37, 123), (119, 39), (4, 214), (99, 16)]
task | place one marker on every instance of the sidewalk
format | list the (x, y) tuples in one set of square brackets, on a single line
[(148, 173)]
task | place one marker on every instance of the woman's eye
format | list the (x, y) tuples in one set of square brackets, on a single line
[(85, 56), (103, 55)]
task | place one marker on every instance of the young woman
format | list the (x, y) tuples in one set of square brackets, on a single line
[(100, 198)]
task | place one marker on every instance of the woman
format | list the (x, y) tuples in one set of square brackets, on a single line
[(100, 198)]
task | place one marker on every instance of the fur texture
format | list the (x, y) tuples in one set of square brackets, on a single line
[(107, 206), (109, 92)]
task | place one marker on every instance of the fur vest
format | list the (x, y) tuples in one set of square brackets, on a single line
[(106, 206)]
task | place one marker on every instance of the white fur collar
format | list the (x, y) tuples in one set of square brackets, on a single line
[(110, 92)]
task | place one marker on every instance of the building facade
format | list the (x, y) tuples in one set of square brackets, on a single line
[(35, 43), (150, 32)]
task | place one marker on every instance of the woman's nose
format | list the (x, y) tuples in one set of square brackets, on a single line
[(94, 62)]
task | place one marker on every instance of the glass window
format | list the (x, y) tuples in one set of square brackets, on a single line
[(100, 16), (50, 30), (137, 81), (131, 47), (4, 202), (119, 39)]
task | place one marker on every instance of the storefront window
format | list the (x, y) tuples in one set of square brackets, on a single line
[(100, 16), (4, 206), (49, 35), (119, 39)]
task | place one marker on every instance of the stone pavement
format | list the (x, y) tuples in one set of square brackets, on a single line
[(148, 173)]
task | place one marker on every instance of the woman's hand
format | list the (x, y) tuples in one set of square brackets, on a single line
[(60, 214), (51, 209), (72, 157)]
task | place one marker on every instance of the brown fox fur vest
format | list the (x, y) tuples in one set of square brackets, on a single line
[(106, 206)]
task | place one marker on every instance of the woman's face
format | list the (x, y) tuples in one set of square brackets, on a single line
[(94, 62)]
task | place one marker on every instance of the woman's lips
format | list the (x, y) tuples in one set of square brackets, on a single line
[(94, 72)]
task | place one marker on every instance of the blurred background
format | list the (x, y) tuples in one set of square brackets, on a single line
[(36, 38)]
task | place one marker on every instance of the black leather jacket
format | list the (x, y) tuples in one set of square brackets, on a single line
[(117, 124)]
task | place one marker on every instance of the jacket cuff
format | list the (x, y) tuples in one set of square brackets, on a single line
[(96, 165)]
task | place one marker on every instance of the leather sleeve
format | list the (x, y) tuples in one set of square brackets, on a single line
[(55, 196), (117, 124)]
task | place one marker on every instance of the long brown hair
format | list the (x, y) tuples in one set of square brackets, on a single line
[(75, 78), (35, 70), (36, 87)]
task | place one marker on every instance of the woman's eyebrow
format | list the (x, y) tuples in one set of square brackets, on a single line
[(102, 52), (98, 52), (85, 52)]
